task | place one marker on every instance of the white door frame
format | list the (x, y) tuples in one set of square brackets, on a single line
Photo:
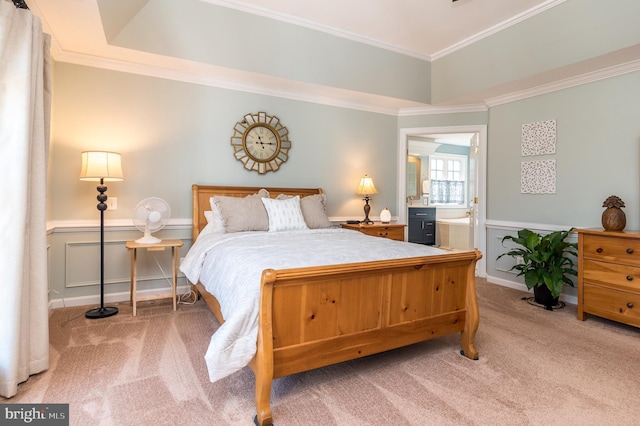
[(481, 181)]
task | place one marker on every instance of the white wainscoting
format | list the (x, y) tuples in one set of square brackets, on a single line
[(82, 264), (74, 262), (498, 270)]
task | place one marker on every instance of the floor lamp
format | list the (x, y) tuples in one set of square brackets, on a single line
[(366, 188), (102, 167)]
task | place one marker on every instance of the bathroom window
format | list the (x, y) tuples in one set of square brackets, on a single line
[(448, 179)]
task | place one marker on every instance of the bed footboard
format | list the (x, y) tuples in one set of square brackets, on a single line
[(318, 316)]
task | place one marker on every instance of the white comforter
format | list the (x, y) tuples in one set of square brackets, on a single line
[(230, 267)]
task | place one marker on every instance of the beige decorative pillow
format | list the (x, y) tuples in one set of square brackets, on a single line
[(313, 210), (243, 214)]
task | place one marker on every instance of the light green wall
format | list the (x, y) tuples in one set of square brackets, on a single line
[(443, 120), (172, 135), (229, 38), (569, 33), (597, 154)]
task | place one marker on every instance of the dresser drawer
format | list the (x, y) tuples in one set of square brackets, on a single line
[(616, 305), (612, 275), (425, 213), (394, 233), (623, 250)]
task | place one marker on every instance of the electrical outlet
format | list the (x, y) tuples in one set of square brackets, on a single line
[(112, 203)]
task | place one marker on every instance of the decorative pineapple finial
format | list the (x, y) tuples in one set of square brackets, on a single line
[(613, 201), (613, 219)]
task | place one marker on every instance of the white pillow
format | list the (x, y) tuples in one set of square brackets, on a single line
[(209, 228), (215, 223), (284, 215), (313, 210)]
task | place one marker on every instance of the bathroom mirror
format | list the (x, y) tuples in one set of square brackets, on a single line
[(413, 177)]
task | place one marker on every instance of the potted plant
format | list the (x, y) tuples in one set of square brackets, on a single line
[(546, 261)]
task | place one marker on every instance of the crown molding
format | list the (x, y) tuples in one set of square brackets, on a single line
[(497, 28), (299, 95), (578, 80), (296, 20), (307, 92), (206, 79), (446, 109)]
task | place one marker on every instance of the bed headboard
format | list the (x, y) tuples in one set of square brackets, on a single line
[(202, 194)]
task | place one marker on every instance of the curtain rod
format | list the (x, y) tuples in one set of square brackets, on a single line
[(20, 4)]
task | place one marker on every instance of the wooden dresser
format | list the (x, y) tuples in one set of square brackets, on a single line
[(393, 231), (609, 275)]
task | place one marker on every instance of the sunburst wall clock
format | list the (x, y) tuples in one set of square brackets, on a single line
[(261, 142)]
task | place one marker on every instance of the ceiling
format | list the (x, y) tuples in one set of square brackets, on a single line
[(422, 28), (425, 29)]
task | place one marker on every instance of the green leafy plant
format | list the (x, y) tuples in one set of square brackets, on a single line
[(546, 259)]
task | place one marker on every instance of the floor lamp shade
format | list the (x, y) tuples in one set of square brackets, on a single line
[(366, 188), (97, 165), (101, 166)]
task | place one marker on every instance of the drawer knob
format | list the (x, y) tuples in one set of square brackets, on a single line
[(629, 278), (629, 250), (629, 305), (599, 250)]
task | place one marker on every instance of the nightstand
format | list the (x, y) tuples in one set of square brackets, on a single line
[(393, 231), (133, 247)]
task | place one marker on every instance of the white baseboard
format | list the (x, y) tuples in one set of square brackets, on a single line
[(124, 296), (519, 286)]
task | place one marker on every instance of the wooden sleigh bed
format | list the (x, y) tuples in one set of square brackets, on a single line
[(317, 316)]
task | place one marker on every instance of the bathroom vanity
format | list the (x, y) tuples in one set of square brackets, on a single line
[(422, 225)]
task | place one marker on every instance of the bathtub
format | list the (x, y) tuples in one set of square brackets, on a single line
[(453, 233)]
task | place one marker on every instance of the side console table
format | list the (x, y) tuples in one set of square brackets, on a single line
[(133, 247)]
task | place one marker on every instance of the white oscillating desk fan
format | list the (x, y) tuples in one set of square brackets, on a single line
[(151, 215)]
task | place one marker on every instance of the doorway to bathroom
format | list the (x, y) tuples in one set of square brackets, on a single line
[(445, 168)]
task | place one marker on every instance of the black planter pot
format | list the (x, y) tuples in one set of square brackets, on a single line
[(542, 296)]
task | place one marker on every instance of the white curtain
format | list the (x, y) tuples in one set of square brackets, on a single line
[(447, 192), (25, 101)]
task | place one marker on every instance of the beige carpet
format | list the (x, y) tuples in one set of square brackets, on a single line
[(536, 368)]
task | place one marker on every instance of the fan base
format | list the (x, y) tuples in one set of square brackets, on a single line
[(148, 239)]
